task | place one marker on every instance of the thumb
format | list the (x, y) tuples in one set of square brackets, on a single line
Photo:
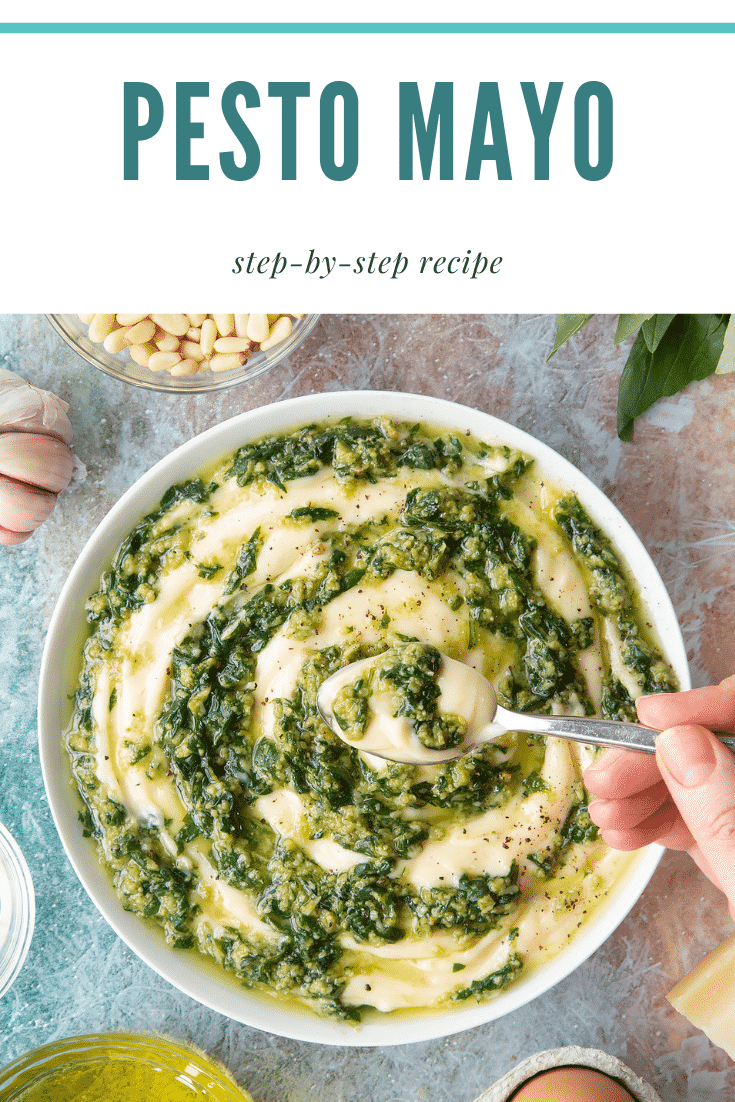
[(700, 775)]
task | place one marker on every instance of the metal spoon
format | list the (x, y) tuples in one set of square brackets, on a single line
[(391, 738)]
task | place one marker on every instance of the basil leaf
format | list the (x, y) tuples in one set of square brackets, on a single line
[(566, 326), (689, 349), (627, 325), (654, 329), (726, 363)]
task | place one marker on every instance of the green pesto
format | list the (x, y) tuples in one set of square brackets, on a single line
[(459, 540), (577, 828), (613, 596), (408, 674)]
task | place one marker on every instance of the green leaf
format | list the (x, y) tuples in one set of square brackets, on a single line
[(566, 326), (654, 329), (726, 363), (689, 349), (627, 325)]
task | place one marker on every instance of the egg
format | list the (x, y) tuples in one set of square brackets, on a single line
[(572, 1085)]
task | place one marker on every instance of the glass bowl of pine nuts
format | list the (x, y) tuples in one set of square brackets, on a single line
[(184, 353)]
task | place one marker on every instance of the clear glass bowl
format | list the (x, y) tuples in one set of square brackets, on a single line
[(120, 366), (17, 909), (119, 1067)]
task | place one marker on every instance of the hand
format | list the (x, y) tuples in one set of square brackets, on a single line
[(684, 798)]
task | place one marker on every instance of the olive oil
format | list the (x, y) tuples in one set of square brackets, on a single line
[(117, 1068)]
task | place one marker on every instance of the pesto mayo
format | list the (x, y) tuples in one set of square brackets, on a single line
[(227, 812), (411, 703)]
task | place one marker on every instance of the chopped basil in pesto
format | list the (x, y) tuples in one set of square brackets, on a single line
[(407, 675), (231, 816)]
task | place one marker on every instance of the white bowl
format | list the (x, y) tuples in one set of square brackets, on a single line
[(195, 975)]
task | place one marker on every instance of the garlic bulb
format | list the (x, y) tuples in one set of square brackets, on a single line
[(40, 460), (27, 408), (35, 460)]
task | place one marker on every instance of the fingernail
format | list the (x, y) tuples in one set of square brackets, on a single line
[(596, 806), (604, 761), (687, 754)]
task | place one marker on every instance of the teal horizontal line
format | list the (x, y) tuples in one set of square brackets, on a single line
[(367, 28)]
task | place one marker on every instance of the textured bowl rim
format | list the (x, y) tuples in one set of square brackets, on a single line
[(22, 918), (206, 983), (211, 382)]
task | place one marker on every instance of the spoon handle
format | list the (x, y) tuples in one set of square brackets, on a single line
[(597, 732)]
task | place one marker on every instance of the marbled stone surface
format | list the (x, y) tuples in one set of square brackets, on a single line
[(674, 482)]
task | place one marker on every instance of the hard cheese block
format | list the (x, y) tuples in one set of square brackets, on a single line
[(706, 996)]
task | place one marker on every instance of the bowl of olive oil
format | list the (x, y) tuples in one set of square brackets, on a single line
[(117, 1067)]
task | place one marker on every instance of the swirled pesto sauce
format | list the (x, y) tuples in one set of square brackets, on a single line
[(228, 813)]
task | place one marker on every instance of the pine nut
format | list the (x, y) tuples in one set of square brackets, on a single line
[(224, 361), (279, 331), (172, 323), (140, 332), (114, 342), (100, 326), (130, 319), (258, 327), (141, 353), (196, 319), (232, 344), (225, 324), (163, 361), (185, 367), (192, 350), (166, 342), (241, 325), (209, 336)]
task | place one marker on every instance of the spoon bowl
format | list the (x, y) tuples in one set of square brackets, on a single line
[(467, 692)]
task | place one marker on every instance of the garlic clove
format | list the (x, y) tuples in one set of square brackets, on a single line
[(37, 459), (8, 538), (22, 507), (27, 408)]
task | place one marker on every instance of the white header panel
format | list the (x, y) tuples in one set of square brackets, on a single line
[(653, 234)]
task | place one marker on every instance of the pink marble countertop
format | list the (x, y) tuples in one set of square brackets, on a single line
[(675, 483)]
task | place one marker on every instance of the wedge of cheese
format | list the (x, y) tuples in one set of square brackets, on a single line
[(706, 996)]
